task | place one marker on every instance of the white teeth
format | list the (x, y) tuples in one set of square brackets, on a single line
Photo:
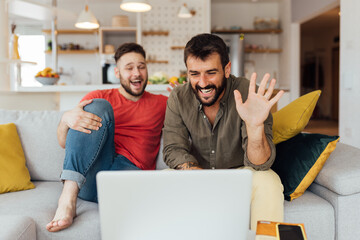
[(206, 90)]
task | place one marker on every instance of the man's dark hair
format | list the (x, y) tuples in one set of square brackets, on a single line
[(127, 48), (203, 45)]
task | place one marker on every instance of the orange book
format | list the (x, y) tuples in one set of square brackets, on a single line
[(267, 230)]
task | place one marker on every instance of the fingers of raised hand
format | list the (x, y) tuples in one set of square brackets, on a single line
[(252, 85), (276, 98), (263, 84), (238, 99), (270, 89)]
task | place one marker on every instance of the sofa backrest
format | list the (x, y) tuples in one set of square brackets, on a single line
[(37, 132)]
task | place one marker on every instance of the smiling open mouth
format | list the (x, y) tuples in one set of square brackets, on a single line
[(136, 83), (206, 91)]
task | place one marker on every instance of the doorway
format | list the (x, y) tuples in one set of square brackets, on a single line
[(320, 43)]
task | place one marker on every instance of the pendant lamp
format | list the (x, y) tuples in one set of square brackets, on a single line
[(87, 20), (184, 12), (135, 5)]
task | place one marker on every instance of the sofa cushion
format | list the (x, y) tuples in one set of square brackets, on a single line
[(16, 227), (299, 160), (14, 176), (346, 211), (37, 132), (40, 204), (316, 213), (341, 172), (293, 118)]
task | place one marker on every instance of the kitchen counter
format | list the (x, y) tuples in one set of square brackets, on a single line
[(153, 88)]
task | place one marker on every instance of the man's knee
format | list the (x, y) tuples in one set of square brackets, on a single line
[(267, 179), (99, 107)]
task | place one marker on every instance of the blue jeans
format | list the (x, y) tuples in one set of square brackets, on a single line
[(87, 154)]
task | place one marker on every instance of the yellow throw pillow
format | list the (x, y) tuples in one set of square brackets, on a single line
[(14, 176), (293, 118)]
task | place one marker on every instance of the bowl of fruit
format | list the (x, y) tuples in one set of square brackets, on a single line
[(47, 77)]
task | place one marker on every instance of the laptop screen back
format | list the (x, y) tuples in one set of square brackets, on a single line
[(163, 205)]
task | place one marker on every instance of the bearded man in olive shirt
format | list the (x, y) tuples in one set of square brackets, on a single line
[(218, 121)]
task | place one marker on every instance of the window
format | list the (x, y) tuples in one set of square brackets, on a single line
[(32, 49)]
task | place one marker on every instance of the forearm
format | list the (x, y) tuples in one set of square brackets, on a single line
[(258, 150), (188, 166), (62, 131)]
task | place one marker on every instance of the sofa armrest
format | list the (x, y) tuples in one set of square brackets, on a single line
[(341, 172)]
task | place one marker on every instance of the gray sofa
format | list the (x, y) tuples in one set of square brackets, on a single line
[(329, 208)]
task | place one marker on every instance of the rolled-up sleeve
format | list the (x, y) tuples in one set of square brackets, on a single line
[(177, 144), (268, 133)]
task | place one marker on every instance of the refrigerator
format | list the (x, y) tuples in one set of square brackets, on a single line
[(236, 49)]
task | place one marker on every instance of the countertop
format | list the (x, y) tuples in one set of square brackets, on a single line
[(85, 88)]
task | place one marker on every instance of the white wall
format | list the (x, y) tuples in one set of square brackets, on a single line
[(4, 73), (290, 57), (349, 127), (303, 10)]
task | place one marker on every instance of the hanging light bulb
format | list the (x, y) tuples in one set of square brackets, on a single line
[(135, 5), (87, 20)]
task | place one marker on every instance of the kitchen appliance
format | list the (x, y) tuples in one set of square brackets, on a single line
[(109, 74), (236, 49)]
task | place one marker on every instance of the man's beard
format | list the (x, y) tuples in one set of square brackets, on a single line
[(128, 89), (218, 92)]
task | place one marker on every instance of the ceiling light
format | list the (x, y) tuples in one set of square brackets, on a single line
[(135, 5), (184, 12), (87, 20)]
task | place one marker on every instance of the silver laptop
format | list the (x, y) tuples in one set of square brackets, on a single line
[(163, 205)]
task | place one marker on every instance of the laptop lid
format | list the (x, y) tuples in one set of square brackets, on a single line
[(163, 205)]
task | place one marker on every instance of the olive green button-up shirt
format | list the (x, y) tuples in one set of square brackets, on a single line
[(189, 136)]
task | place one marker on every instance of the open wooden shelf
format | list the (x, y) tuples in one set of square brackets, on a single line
[(277, 31), (150, 33), (157, 61), (177, 47), (91, 51), (263, 50), (72, 31)]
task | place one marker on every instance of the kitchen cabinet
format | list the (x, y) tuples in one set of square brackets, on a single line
[(244, 31), (252, 31), (63, 50), (116, 36)]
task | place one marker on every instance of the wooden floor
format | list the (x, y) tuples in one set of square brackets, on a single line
[(326, 127)]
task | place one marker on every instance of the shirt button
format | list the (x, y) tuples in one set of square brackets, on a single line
[(204, 116), (212, 151)]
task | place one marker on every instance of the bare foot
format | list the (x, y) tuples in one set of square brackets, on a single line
[(66, 210)]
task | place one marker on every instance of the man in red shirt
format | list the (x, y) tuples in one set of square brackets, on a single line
[(115, 129)]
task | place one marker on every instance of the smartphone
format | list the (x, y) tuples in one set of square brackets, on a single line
[(290, 232)]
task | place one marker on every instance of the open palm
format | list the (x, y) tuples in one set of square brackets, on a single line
[(256, 108)]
